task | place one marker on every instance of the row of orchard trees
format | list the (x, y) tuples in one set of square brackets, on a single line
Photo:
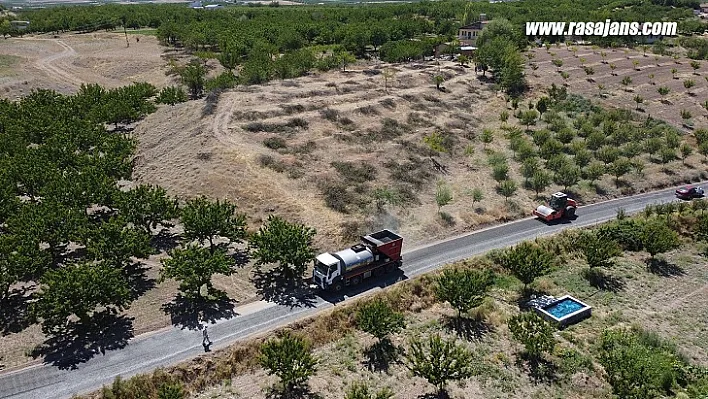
[(295, 27), (70, 228)]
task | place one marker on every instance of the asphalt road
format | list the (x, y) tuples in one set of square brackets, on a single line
[(173, 345)]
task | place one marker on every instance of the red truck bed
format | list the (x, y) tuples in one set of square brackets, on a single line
[(385, 242)]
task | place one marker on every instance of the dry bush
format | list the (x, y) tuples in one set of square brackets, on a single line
[(211, 102), (388, 103), (330, 114), (357, 174), (418, 119), (275, 143), (294, 170), (254, 115), (367, 110), (337, 195), (305, 148), (293, 109), (290, 127), (413, 171), (431, 98)]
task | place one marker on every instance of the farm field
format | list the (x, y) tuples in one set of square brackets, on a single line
[(641, 83), (345, 152)]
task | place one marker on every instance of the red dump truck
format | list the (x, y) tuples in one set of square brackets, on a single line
[(378, 253)]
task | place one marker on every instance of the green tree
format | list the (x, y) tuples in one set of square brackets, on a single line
[(287, 244), (638, 99), (360, 390), (115, 243), (507, 188), (686, 151), (477, 195), (487, 136), (533, 332), (688, 84), (658, 238), (171, 95), (567, 175), (620, 167), (667, 155), (500, 172), (663, 91), (696, 65), (528, 118), (230, 56), (290, 359), (379, 319), (653, 145), (77, 290), (529, 167), (205, 220), (607, 154), (193, 77), (527, 261), (170, 391), (21, 259), (438, 79), (543, 104), (594, 171), (147, 206), (504, 116), (194, 266), (443, 195), (598, 252), (439, 361), (464, 289), (540, 181), (636, 370)]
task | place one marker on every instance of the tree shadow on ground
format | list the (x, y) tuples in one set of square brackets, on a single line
[(190, 313), (136, 274), (305, 392), (15, 314), (663, 268), (79, 343), (164, 240), (273, 287), (438, 395), (381, 355), (603, 281), (468, 328), (539, 370)]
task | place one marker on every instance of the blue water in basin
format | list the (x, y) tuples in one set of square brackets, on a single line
[(563, 308)]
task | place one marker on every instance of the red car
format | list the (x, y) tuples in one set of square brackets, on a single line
[(690, 192)]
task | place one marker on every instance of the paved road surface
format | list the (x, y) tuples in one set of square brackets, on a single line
[(173, 345)]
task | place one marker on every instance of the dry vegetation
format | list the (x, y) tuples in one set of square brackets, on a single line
[(318, 149)]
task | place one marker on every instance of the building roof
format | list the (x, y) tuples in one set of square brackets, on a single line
[(475, 25)]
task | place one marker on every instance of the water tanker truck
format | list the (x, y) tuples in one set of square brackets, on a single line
[(377, 254)]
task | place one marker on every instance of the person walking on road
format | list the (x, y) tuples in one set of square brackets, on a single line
[(206, 342)]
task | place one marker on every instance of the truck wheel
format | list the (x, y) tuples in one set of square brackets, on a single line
[(389, 268), (356, 280), (338, 287), (570, 212)]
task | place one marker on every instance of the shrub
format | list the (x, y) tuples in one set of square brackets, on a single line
[(352, 172), (533, 332)]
